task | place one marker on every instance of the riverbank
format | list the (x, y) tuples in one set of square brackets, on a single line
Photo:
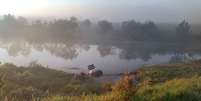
[(168, 82)]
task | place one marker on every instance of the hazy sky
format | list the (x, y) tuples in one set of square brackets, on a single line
[(115, 10)]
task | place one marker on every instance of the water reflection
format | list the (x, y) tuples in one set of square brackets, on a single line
[(109, 57), (15, 49), (66, 51), (105, 50)]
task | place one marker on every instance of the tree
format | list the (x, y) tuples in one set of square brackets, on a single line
[(73, 24), (140, 31), (22, 21), (131, 30), (87, 23), (183, 31), (9, 22), (131, 27), (105, 26), (150, 31)]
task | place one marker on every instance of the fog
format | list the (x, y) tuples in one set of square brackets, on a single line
[(169, 11), (75, 43), (66, 33)]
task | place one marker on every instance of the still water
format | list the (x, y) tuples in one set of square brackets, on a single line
[(110, 58)]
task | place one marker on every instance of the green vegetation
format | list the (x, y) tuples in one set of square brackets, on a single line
[(169, 82), (162, 73), (37, 82), (173, 90)]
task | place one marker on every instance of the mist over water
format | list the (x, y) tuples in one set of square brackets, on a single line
[(100, 50), (72, 44), (109, 58)]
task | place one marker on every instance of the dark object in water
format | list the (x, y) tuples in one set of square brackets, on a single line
[(90, 67), (97, 73)]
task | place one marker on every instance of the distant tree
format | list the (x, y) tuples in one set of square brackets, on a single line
[(8, 22), (131, 30), (150, 31), (9, 19), (37, 24), (183, 31), (105, 26), (130, 26), (22, 21), (73, 19), (73, 24), (87, 23), (38, 30), (63, 29)]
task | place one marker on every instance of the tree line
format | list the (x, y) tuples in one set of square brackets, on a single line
[(72, 29)]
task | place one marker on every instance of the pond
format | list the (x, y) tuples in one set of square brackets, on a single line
[(111, 58)]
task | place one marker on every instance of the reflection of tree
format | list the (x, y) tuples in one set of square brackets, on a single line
[(104, 50), (19, 48), (85, 47), (144, 51), (67, 51), (133, 53), (130, 51)]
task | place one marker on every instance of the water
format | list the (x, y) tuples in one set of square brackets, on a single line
[(111, 58)]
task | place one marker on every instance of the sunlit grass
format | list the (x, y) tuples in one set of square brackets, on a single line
[(171, 82)]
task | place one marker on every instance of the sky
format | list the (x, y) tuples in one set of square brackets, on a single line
[(113, 10)]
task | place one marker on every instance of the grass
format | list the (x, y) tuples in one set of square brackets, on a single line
[(188, 89), (161, 73), (38, 82), (169, 82)]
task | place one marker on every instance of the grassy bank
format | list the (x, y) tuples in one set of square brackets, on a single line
[(170, 82), (38, 82)]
